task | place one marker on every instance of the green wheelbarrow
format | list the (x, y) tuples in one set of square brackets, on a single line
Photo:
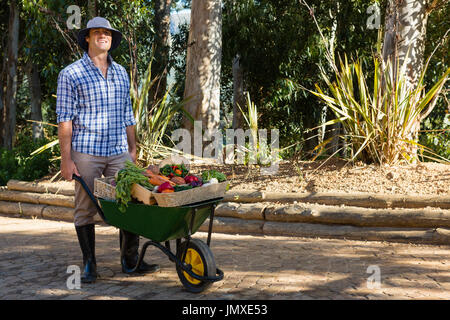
[(193, 258)]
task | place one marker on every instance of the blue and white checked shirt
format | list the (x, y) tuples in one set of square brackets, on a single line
[(100, 109)]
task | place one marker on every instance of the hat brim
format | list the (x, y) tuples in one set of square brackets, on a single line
[(82, 34)]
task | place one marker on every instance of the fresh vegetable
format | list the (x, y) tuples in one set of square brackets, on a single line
[(153, 169), (193, 181), (125, 178), (178, 180), (171, 170), (209, 174), (165, 186), (196, 184), (190, 178), (210, 182), (157, 179), (182, 188)]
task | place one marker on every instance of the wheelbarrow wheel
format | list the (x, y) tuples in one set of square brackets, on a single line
[(201, 259)]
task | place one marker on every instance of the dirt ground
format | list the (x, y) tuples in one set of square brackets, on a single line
[(339, 176)]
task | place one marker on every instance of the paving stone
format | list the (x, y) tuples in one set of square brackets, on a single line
[(291, 269)]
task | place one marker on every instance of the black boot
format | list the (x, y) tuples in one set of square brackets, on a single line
[(129, 246), (86, 238)]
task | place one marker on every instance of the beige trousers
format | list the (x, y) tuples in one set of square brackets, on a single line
[(91, 167)]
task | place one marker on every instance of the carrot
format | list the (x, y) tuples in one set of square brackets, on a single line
[(157, 179), (167, 191)]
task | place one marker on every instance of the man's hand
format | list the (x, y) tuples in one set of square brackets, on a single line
[(68, 169), (132, 155)]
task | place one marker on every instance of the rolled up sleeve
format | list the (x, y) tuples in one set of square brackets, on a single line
[(65, 99)]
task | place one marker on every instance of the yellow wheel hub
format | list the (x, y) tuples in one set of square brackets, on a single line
[(194, 259)]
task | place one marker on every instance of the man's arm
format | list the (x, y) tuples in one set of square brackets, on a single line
[(131, 137), (66, 111), (68, 167)]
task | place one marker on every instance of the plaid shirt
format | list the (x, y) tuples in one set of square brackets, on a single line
[(100, 109)]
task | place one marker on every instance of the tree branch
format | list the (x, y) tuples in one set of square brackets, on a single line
[(435, 5)]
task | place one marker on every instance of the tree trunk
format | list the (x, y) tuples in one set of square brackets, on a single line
[(2, 100), (203, 65), (162, 49), (11, 83), (35, 90), (405, 36), (327, 114), (238, 93), (404, 43), (92, 9)]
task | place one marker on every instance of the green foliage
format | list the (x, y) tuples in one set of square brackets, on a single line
[(378, 118), (277, 40), (20, 165), (152, 123), (8, 165), (437, 140), (280, 51), (435, 132)]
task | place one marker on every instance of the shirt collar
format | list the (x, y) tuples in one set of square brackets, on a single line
[(89, 62)]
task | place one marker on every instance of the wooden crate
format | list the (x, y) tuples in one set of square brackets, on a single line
[(103, 189), (142, 194)]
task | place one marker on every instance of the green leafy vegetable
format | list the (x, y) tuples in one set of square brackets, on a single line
[(209, 174), (171, 170), (182, 187), (125, 179)]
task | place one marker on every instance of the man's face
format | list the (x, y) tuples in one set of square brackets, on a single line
[(99, 39)]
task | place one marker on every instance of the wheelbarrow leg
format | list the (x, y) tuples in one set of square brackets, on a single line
[(188, 238), (167, 244), (211, 218)]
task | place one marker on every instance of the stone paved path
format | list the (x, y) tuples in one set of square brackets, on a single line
[(35, 256)]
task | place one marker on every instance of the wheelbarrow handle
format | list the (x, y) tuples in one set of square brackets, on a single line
[(94, 200)]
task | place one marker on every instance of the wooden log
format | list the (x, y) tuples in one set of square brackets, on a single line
[(63, 188), (243, 196), (356, 216), (19, 208), (366, 200), (418, 235), (233, 226), (37, 198), (250, 211), (58, 213)]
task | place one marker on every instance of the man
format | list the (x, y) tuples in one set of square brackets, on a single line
[(96, 134)]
